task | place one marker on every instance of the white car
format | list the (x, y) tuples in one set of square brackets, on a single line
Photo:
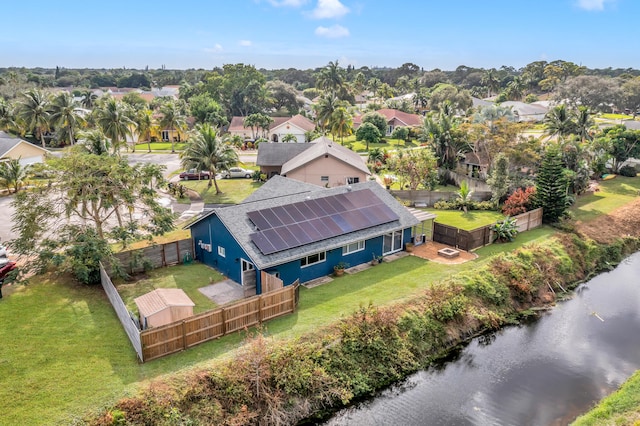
[(3, 251), (237, 172)]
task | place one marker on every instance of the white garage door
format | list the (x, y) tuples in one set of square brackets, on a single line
[(31, 160)]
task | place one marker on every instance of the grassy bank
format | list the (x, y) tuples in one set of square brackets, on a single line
[(286, 381), (620, 408)]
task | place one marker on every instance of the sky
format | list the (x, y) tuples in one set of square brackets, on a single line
[(305, 34)]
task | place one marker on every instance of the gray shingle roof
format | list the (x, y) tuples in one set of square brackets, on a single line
[(276, 154), (7, 143), (325, 146), (236, 220), (279, 186)]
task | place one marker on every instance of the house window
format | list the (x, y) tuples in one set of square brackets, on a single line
[(313, 259), (392, 242), (222, 252), (390, 129), (351, 180), (353, 247), (324, 178), (165, 135)]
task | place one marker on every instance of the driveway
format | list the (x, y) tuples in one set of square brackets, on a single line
[(6, 211)]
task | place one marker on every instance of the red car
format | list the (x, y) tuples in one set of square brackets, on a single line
[(193, 174), (4, 270)]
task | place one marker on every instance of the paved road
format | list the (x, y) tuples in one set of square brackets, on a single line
[(6, 211), (171, 161)]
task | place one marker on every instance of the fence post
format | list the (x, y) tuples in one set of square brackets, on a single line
[(178, 251), (224, 322), (260, 308), (164, 257), (184, 335)]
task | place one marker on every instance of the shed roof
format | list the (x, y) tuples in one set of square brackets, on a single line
[(321, 147), (160, 299), (237, 222)]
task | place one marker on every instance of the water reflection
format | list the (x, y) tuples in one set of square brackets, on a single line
[(545, 373)]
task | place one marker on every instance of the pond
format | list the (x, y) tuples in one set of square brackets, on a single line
[(546, 372)]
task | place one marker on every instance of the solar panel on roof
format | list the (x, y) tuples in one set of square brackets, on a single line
[(293, 225)]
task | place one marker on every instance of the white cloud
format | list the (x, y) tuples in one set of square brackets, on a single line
[(290, 3), (329, 9), (335, 31), (217, 48), (593, 4), (245, 43)]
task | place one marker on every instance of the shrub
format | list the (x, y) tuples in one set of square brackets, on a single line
[(505, 230), (628, 171), (400, 133), (519, 202)]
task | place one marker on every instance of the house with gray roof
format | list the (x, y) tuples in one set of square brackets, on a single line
[(302, 232), (14, 148), (322, 162)]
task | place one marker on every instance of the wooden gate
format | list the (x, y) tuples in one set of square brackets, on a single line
[(270, 282)]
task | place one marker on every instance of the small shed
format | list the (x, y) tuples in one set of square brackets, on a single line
[(163, 306)]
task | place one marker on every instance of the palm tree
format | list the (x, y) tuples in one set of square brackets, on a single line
[(515, 89), (144, 124), (558, 122), (374, 85), (65, 114), (583, 122), (33, 109), (88, 99), (12, 174), (491, 81), (7, 116), (114, 120), (325, 108), (95, 142), (448, 143), (341, 123), (289, 137), (206, 151), (331, 78), (172, 118)]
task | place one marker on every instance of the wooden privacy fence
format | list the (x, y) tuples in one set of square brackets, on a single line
[(161, 341), (479, 237), (156, 256), (130, 327), (270, 282)]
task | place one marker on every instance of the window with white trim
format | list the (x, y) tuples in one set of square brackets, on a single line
[(353, 247), (313, 259), (222, 252), (351, 180), (324, 178)]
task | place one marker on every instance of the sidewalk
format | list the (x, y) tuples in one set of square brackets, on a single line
[(185, 211)]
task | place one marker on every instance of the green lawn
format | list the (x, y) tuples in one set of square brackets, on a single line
[(616, 116), (233, 190), (613, 194), (467, 221), (64, 351), (187, 277), (159, 146)]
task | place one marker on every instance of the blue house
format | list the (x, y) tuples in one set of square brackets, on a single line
[(295, 230)]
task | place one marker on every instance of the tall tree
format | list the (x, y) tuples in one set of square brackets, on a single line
[(173, 119), (144, 124), (448, 142), (341, 123), (325, 108), (491, 81), (558, 122), (551, 187), (331, 78), (113, 117), (88, 98), (205, 150), (89, 196), (65, 114), (33, 109)]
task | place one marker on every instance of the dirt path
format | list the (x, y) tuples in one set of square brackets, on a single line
[(619, 223)]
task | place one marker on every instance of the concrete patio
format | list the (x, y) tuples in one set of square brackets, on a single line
[(224, 292)]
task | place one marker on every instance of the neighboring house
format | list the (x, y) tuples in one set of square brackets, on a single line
[(13, 148), (163, 306), (296, 231), (322, 162), (395, 119), (533, 112), (475, 165), (298, 125)]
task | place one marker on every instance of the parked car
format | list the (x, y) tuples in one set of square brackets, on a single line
[(193, 174), (3, 251), (237, 172)]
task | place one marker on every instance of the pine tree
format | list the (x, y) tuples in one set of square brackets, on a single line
[(499, 178), (551, 187)]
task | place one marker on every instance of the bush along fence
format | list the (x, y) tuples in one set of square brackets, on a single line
[(479, 237), (157, 342), (424, 198)]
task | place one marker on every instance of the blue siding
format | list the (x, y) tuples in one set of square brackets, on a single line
[(212, 231), (406, 236)]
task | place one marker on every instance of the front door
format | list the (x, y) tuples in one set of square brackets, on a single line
[(248, 274)]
